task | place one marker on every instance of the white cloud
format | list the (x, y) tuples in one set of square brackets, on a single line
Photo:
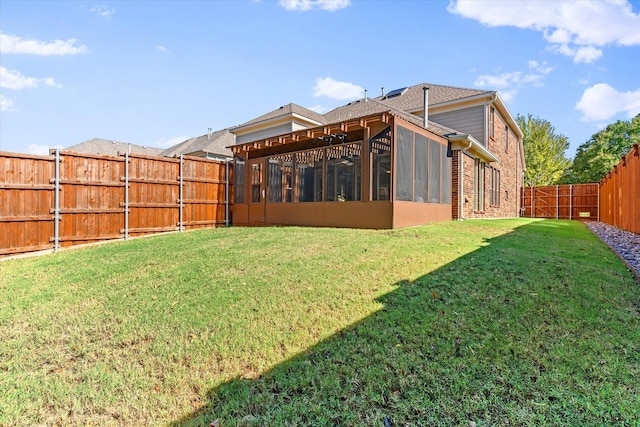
[(12, 79), (318, 109), (500, 81), (304, 5), (6, 104), (332, 5), (337, 90), (103, 11), (573, 28), (169, 142), (40, 150), (508, 95), (510, 83), (540, 68), (602, 102), (161, 48), (15, 44), (585, 54)]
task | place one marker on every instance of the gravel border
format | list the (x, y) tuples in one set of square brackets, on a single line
[(624, 243)]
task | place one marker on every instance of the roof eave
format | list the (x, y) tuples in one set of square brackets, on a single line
[(468, 143), (502, 107), (262, 123), (466, 100)]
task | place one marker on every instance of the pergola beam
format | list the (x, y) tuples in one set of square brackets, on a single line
[(316, 133)]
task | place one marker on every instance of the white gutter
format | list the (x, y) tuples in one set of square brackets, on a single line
[(461, 185), (514, 125), (465, 142)]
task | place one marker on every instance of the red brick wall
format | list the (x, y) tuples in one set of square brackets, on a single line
[(510, 168), (455, 184)]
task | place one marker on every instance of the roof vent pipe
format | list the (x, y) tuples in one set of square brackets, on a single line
[(425, 111), (366, 98), (382, 91), (209, 133)]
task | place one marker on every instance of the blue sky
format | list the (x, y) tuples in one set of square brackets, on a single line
[(156, 73)]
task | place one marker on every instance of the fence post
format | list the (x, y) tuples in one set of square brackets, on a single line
[(533, 201), (181, 226), (570, 201), (226, 193), (126, 195), (56, 198), (557, 201), (599, 200)]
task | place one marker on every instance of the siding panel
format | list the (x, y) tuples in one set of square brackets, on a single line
[(264, 133), (468, 120)]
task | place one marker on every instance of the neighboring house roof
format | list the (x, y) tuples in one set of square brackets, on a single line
[(112, 148), (286, 110), (413, 98), (215, 143), (367, 107)]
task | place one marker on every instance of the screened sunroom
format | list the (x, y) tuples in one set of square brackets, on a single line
[(377, 171)]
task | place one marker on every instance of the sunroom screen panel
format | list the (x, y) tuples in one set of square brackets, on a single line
[(404, 165), (420, 181), (434, 171)]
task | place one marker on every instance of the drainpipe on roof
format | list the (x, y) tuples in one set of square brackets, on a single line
[(461, 184), (425, 111), (226, 192)]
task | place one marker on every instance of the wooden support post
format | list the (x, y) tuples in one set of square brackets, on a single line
[(367, 167), (56, 197)]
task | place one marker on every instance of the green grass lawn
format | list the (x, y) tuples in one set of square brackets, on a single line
[(503, 322)]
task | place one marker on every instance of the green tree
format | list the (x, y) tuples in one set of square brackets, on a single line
[(603, 151), (543, 151)]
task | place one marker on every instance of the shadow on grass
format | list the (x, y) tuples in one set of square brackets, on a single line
[(527, 330)]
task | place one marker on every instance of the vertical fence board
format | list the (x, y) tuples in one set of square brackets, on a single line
[(92, 198), (620, 193), (26, 196), (577, 201)]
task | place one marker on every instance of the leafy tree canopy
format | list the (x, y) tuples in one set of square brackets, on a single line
[(543, 151), (603, 151)]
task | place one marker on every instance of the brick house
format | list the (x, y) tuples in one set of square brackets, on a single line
[(381, 162)]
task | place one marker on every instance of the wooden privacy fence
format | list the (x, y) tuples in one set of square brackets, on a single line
[(620, 193), (571, 201), (68, 198)]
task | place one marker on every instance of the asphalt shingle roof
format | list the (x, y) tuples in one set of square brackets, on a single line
[(413, 98), (216, 143), (285, 110), (362, 108), (107, 147)]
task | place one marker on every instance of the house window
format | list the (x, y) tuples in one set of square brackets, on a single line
[(478, 185), (238, 177), (506, 139), (256, 180), (343, 173), (380, 147), (308, 175), (494, 187), (491, 122)]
